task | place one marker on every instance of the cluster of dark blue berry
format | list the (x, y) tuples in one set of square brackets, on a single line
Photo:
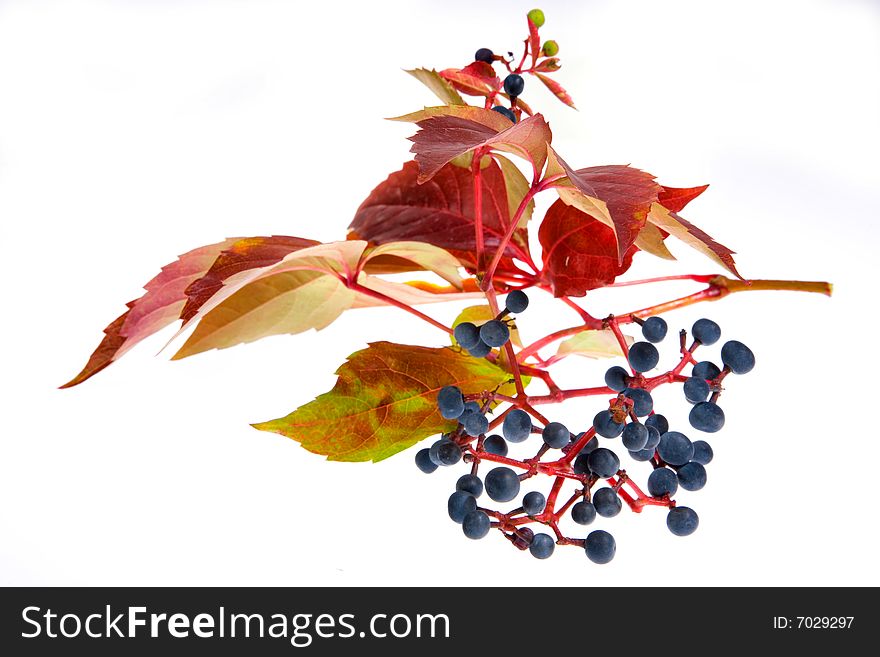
[(480, 340), (646, 436)]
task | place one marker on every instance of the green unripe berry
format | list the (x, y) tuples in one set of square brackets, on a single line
[(537, 17), (550, 48)]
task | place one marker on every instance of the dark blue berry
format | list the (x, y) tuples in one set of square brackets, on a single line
[(600, 546), (517, 425), (682, 521), (705, 369), (542, 546), (635, 436), (643, 403), (495, 444), (706, 331), (581, 464), (706, 416), (607, 502), (556, 435), (662, 482), (476, 524), (484, 55), (516, 301), (494, 333), (514, 84), (654, 329), (702, 452), (603, 462), (692, 476), (643, 356), (470, 483), (424, 462), (450, 402), (606, 426), (659, 422), (467, 335), (675, 448), (476, 424), (460, 504), (696, 390), (583, 513), (616, 378), (653, 438), (737, 357), (502, 484), (448, 453), (434, 450), (533, 503)]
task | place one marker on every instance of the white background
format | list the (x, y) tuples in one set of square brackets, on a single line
[(133, 131)]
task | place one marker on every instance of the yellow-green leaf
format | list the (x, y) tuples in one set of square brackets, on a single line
[(385, 400), (592, 344)]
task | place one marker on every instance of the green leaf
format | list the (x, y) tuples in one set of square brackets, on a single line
[(385, 400), (593, 344), (441, 88)]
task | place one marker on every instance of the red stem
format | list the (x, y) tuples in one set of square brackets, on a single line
[(357, 287)]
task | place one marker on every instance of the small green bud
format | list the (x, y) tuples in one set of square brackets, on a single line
[(537, 17), (550, 48)]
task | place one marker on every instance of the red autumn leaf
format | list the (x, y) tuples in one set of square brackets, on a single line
[(485, 72), (443, 138), (579, 251), (557, 89), (625, 194), (160, 306), (548, 65), (534, 41), (476, 79), (245, 254), (676, 198), (441, 212)]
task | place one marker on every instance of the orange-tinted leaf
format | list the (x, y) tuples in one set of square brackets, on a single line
[(676, 198), (618, 195), (245, 254), (160, 306), (476, 79), (384, 401), (479, 115), (443, 138), (579, 251), (556, 89), (441, 212)]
